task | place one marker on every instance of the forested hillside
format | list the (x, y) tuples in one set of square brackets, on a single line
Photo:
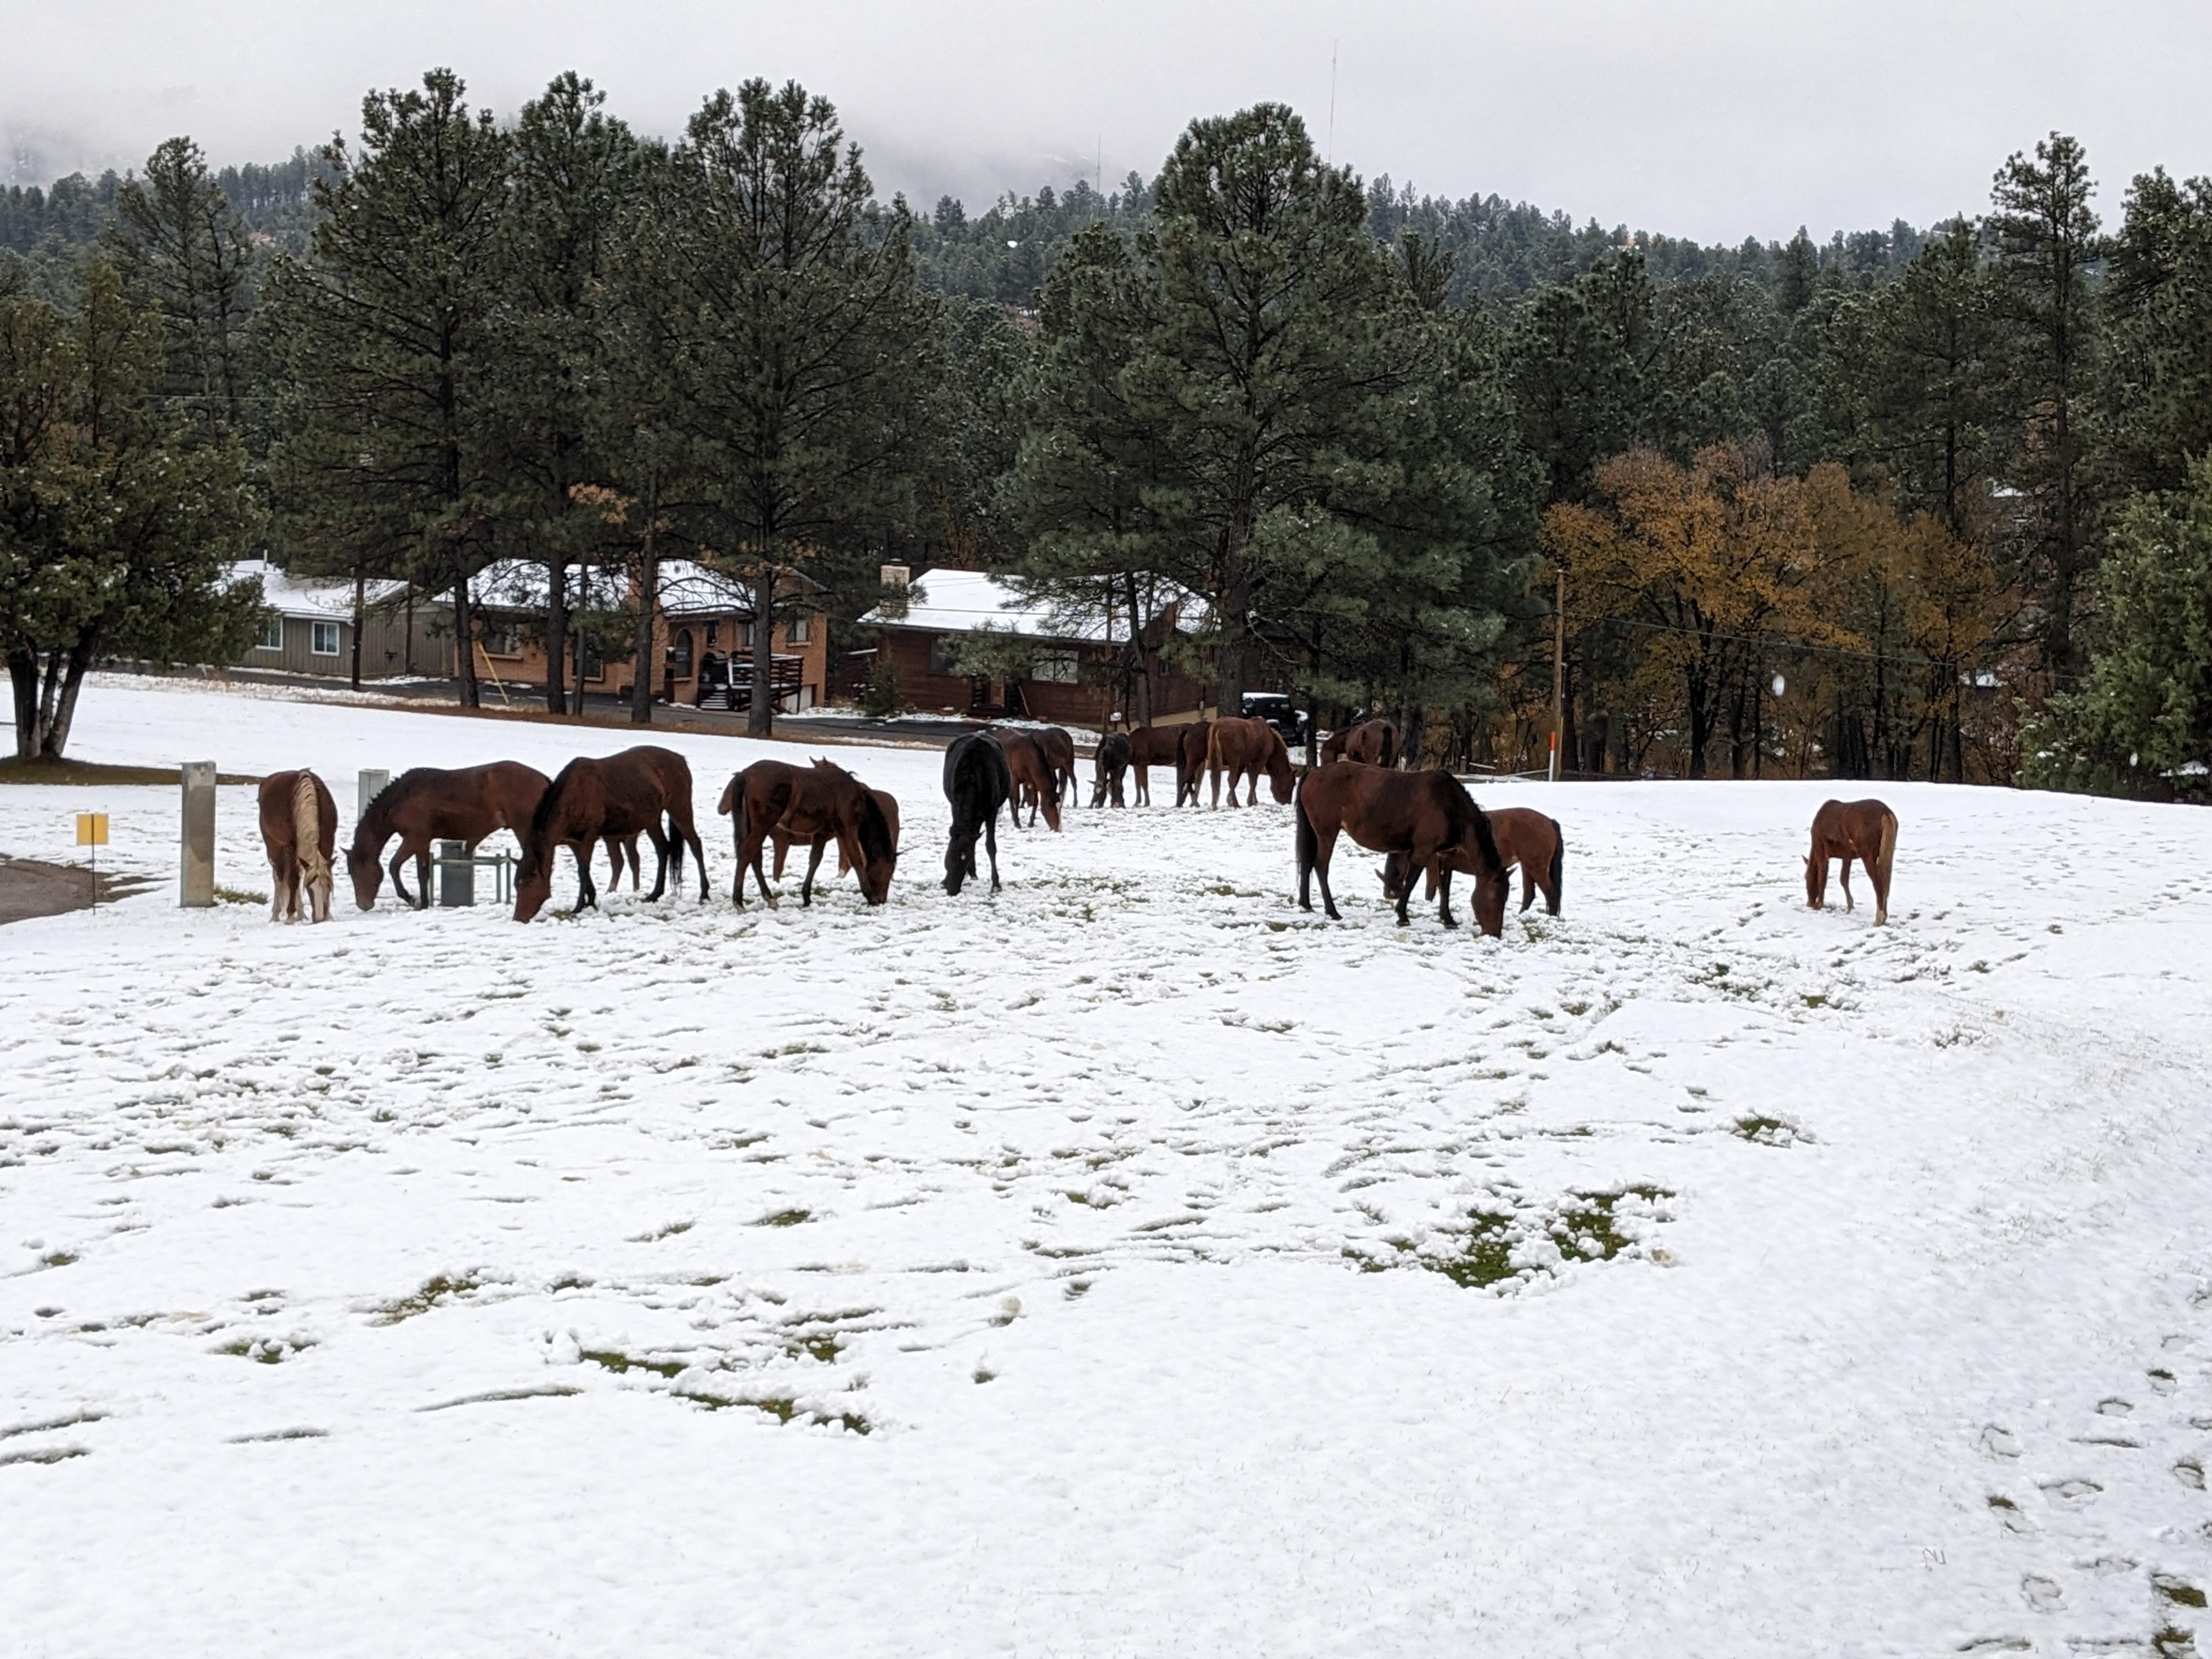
[(1925, 501)]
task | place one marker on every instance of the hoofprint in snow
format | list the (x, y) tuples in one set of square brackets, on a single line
[(1131, 1263)]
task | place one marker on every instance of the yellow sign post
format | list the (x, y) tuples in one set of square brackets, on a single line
[(92, 831)]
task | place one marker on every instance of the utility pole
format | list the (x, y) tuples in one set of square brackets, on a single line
[(1559, 672)]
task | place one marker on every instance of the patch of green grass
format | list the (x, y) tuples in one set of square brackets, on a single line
[(785, 1218), (609, 1359), (1764, 1131), (432, 1292), (265, 1349), (46, 770), (2179, 1591), (1485, 1256), (239, 895), (784, 1409)]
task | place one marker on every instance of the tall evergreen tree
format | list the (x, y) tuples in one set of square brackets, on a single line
[(2047, 244), (383, 336), (800, 356)]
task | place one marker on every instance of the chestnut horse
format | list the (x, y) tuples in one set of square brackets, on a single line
[(977, 783), (424, 805), (1428, 816), (1525, 837), (810, 804), (1862, 830), (1374, 743), (783, 839), (1035, 781), (625, 794), (1059, 755), (300, 829), (1243, 749), (1109, 764)]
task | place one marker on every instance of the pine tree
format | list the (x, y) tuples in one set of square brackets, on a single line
[(382, 338)]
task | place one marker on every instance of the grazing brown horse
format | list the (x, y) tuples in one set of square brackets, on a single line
[(784, 839), (1151, 746), (1109, 764), (1059, 755), (810, 804), (424, 805), (1428, 816), (300, 829), (1373, 743), (1243, 749), (626, 794), (1525, 837), (1034, 781), (1862, 830)]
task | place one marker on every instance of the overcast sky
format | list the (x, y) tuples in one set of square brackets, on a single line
[(1712, 118)]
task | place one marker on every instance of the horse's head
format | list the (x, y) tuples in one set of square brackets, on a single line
[(959, 860), (1491, 892), (1394, 875), (366, 865), (533, 882), (878, 857), (1280, 775)]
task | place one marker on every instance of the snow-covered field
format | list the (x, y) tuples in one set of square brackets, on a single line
[(1129, 1264)]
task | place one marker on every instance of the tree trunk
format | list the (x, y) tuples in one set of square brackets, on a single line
[(23, 675), (760, 716), (360, 597), (75, 666), (556, 638), (643, 671), (464, 642)]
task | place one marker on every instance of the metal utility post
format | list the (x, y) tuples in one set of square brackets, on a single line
[(195, 871), (456, 874), (1559, 672)]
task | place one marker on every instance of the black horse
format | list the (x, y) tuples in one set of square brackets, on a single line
[(977, 783), (1112, 764)]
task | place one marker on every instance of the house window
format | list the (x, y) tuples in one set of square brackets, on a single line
[(1058, 667), (713, 630), (799, 630), (502, 639), (272, 633), (745, 635), (944, 653), (679, 656), (325, 643)]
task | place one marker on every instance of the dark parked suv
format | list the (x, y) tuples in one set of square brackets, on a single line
[(1279, 712)]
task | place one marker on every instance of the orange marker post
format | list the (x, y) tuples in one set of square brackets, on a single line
[(92, 832)]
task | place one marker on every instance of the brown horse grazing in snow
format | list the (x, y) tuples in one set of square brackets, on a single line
[(1059, 755), (1862, 830), (300, 829), (810, 804), (1151, 746), (1372, 742), (1428, 816), (1243, 749), (626, 794), (1525, 837), (425, 804), (1109, 764), (1034, 781), (785, 839)]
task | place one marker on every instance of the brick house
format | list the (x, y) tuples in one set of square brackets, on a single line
[(702, 636), (1069, 675)]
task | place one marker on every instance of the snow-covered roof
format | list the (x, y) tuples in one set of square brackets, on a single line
[(324, 598), (687, 587), (961, 601)]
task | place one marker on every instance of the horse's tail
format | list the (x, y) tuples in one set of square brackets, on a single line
[(675, 850), (1888, 852), (1389, 745), (314, 862), (1308, 843), (1558, 865), (739, 819)]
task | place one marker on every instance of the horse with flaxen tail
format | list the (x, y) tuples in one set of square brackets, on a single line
[(1862, 830), (299, 831), (633, 792), (977, 783), (1427, 815)]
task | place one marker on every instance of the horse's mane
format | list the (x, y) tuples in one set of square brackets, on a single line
[(1486, 844), (542, 819), (875, 829)]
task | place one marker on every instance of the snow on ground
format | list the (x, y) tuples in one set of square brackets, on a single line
[(1128, 1264)]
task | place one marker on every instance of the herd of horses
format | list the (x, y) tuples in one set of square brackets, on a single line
[(1423, 822)]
